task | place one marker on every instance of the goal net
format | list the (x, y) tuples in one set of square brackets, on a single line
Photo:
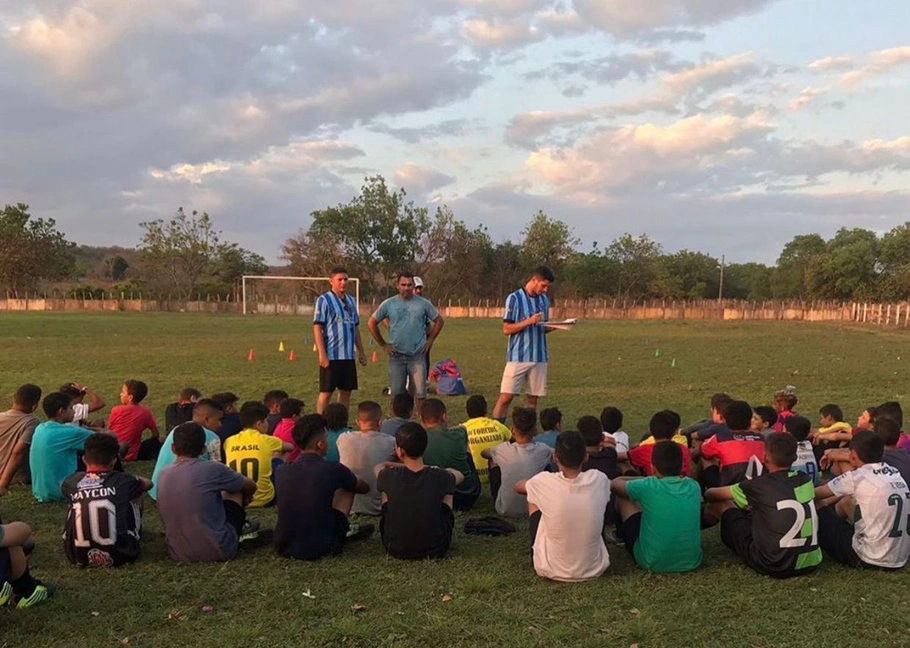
[(270, 295)]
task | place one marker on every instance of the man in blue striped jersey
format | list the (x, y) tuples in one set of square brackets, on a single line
[(336, 333), (527, 311)]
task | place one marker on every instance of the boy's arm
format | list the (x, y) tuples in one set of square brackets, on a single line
[(485, 453), (286, 447), (457, 475), (721, 494), (382, 466), (146, 484), (362, 487), (95, 401), (834, 455), (521, 487), (620, 485), (823, 492), (249, 487), (20, 453)]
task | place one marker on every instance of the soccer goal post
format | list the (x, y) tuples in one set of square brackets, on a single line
[(321, 285)]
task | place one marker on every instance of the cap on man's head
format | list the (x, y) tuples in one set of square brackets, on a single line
[(418, 282)]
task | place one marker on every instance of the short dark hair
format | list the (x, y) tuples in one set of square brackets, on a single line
[(868, 446), (137, 389), (54, 402), (28, 395), (251, 412), (781, 449), (290, 407), (591, 430), (476, 406), (524, 419), (369, 410), (189, 440), (336, 416), (611, 419), (719, 401), (677, 419), (411, 437), (403, 405), (550, 418), (570, 449), (738, 415), (832, 410), (207, 403), (667, 459), (404, 275), (225, 399), (101, 449), (662, 425), (888, 429), (188, 393), (786, 397), (767, 414), (71, 390), (307, 430), (891, 409), (432, 410), (543, 272), (799, 427), (274, 396), (337, 270)]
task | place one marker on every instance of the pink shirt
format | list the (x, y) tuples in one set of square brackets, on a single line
[(284, 432), (129, 422), (904, 442), (781, 419)]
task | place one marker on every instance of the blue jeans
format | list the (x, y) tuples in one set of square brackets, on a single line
[(403, 367)]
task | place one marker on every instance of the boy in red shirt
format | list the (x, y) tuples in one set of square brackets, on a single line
[(663, 427), (130, 419), (739, 452)]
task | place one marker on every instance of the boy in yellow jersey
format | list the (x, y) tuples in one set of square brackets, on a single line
[(678, 436), (483, 433), (250, 451)]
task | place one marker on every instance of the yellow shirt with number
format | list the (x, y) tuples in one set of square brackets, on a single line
[(250, 453), (484, 433)]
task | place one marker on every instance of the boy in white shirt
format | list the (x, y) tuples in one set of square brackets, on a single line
[(879, 537), (362, 450), (611, 422), (567, 515), (81, 409)]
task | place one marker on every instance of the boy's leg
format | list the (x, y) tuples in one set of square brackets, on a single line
[(464, 502), (835, 537), (533, 524), (846, 509), (495, 475), (15, 577), (710, 475), (628, 522)]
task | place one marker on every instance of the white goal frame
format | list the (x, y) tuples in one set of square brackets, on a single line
[(285, 278)]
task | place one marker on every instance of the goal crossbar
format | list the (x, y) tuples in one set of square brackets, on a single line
[(288, 278)]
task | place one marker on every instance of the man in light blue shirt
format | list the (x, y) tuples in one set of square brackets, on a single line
[(208, 414), (409, 341)]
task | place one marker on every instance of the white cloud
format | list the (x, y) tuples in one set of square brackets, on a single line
[(418, 179), (494, 33), (878, 63), (629, 17), (831, 63), (806, 97)]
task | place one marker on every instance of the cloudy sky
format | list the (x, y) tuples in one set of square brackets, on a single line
[(726, 126)]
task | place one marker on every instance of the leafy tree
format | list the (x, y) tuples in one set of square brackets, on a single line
[(790, 276), (750, 281), (638, 262), (181, 253), (591, 274), (32, 250), (548, 242), (895, 263), (116, 267), (453, 257), (687, 275)]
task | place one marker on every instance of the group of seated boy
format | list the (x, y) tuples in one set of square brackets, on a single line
[(783, 493)]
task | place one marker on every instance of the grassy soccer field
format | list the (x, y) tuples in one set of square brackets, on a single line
[(486, 592)]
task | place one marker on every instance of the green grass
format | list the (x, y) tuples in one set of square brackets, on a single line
[(495, 597)]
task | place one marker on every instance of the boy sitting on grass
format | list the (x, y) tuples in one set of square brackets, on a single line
[(251, 452), (800, 428), (737, 450), (678, 436), (863, 519), (16, 581), (182, 410), (838, 459), (517, 462), (104, 522), (230, 419), (54, 449), (483, 434), (402, 411), (567, 514), (130, 419), (784, 402), (551, 424), (17, 429), (663, 428), (448, 448), (778, 535), (417, 519), (763, 419), (336, 417), (291, 411), (315, 498), (601, 453), (81, 409), (611, 422), (660, 516), (207, 413), (272, 400), (364, 449), (201, 503), (831, 425)]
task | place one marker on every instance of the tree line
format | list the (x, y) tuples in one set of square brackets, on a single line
[(380, 232)]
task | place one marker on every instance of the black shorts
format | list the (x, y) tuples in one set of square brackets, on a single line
[(736, 533), (6, 566), (835, 537), (340, 374), (235, 515), (629, 531)]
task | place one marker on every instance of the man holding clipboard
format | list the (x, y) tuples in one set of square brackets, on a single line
[(525, 321)]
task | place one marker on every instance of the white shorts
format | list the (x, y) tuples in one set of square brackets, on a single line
[(516, 373)]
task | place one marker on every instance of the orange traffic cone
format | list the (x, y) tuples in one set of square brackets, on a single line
[(292, 357), (375, 357), (251, 356)]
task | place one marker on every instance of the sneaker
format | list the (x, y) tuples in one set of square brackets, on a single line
[(386, 391), (610, 536), (6, 593), (249, 530), (359, 532), (41, 593), (28, 546)]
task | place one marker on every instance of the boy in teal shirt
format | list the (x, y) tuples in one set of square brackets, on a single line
[(208, 414), (660, 516), (54, 449)]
